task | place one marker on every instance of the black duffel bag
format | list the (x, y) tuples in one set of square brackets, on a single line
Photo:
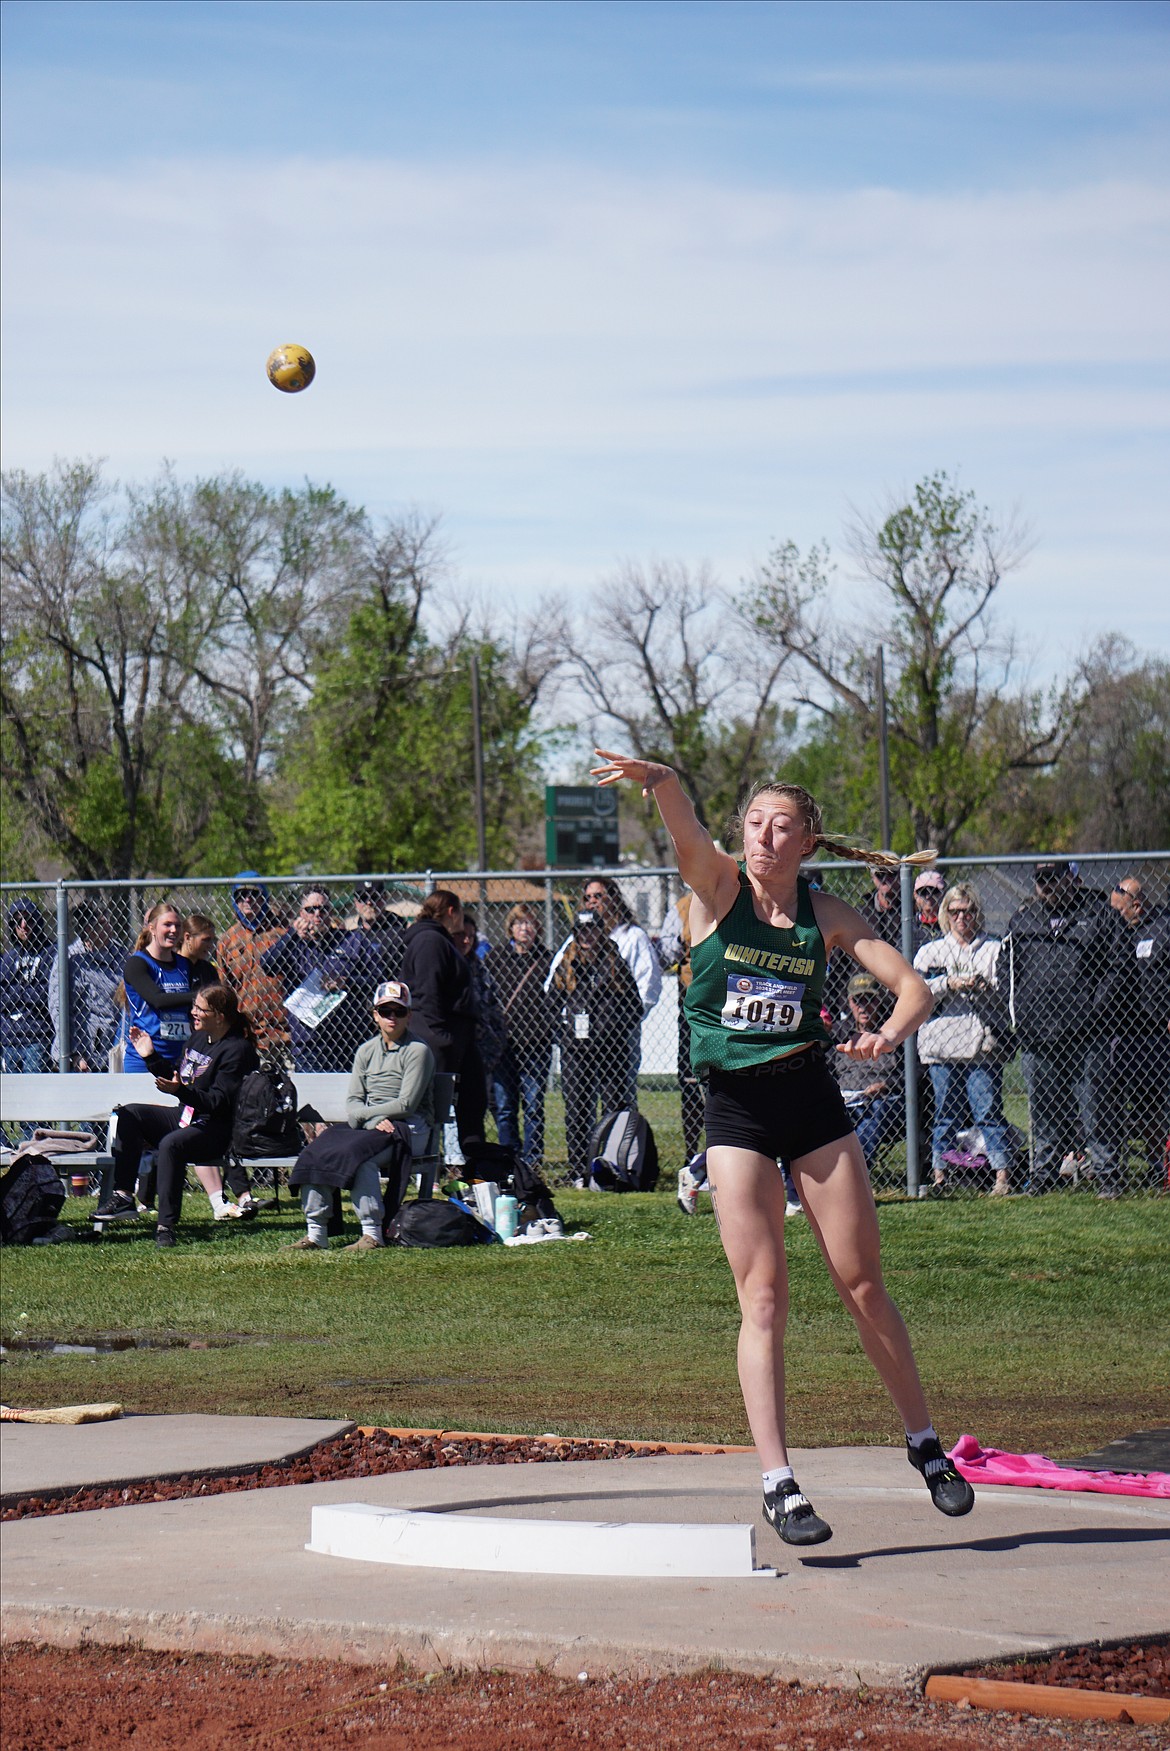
[(437, 1222)]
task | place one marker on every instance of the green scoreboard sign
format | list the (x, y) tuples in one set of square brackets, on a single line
[(581, 826)]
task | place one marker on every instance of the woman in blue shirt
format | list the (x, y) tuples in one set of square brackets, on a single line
[(158, 988)]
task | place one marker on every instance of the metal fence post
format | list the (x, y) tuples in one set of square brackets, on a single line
[(548, 914), (64, 994), (910, 1049)]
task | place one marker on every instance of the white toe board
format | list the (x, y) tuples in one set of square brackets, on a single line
[(419, 1539)]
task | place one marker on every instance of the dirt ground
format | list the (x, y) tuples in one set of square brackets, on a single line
[(58, 1699)]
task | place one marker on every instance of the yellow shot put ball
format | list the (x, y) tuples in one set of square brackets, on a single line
[(291, 367)]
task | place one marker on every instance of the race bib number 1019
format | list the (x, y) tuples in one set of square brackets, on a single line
[(762, 1006)]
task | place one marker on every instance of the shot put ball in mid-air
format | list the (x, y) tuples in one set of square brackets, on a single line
[(291, 367)]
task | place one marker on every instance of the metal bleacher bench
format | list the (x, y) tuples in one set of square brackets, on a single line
[(90, 1100)]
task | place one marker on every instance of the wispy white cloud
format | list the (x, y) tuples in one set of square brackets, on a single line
[(698, 361)]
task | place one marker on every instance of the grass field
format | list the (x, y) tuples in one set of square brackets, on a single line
[(1039, 1325)]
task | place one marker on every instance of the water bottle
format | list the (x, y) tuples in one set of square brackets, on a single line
[(507, 1216)]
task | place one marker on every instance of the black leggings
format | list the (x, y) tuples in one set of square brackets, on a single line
[(150, 1127)]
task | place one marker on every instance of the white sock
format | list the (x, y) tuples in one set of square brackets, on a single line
[(922, 1435), (218, 1202), (780, 1474)]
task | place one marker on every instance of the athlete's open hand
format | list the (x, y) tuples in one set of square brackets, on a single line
[(865, 1046), (648, 773)]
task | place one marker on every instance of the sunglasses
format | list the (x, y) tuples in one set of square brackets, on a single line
[(247, 894), (962, 911), (391, 1009), (314, 908)]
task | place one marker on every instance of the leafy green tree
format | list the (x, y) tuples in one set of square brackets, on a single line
[(102, 752), (960, 724), (1108, 792), (380, 773)]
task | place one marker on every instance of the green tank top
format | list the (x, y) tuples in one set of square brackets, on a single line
[(756, 989)]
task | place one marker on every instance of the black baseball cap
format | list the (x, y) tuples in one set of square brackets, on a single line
[(370, 891), (1048, 872)]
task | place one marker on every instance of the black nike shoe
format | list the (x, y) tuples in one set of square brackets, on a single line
[(793, 1515), (120, 1208), (949, 1490)]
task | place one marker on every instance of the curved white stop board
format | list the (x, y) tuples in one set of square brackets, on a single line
[(418, 1539)]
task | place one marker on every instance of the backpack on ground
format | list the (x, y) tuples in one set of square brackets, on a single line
[(265, 1123), (623, 1153), (31, 1198), (437, 1222), (494, 1161)]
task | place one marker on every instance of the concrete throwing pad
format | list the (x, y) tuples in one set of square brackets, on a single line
[(899, 1590), (533, 1547), (35, 1457)]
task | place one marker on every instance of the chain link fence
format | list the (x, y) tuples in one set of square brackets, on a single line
[(1044, 1067)]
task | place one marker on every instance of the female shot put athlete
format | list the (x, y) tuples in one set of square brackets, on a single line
[(760, 940)]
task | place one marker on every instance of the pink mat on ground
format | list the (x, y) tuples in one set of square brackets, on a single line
[(988, 1465)]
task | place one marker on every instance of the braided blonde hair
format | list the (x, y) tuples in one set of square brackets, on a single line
[(810, 811)]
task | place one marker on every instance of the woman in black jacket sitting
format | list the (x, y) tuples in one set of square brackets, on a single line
[(215, 1062)]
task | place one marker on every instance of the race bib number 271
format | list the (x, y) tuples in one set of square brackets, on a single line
[(762, 1006)]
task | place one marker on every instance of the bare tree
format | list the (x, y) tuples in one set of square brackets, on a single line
[(158, 644), (960, 717), (669, 668)]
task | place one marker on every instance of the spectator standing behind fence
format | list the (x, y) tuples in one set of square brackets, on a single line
[(240, 950), (599, 1004), (674, 954), (199, 948), (26, 1031), (208, 1078), (364, 956), (519, 969), (93, 973), (873, 1090), (1152, 952), (603, 897), (962, 1043), (929, 889), (1070, 966), (297, 958), (1144, 1047), (490, 1036), (156, 984), (443, 1015)]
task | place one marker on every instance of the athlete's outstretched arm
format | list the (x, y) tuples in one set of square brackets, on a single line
[(701, 864)]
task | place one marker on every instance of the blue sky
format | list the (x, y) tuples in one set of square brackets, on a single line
[(606, 281)]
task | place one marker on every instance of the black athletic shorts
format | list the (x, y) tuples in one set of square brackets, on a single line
[(784, 1116)]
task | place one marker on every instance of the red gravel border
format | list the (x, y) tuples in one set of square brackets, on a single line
[(360, 1453)]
